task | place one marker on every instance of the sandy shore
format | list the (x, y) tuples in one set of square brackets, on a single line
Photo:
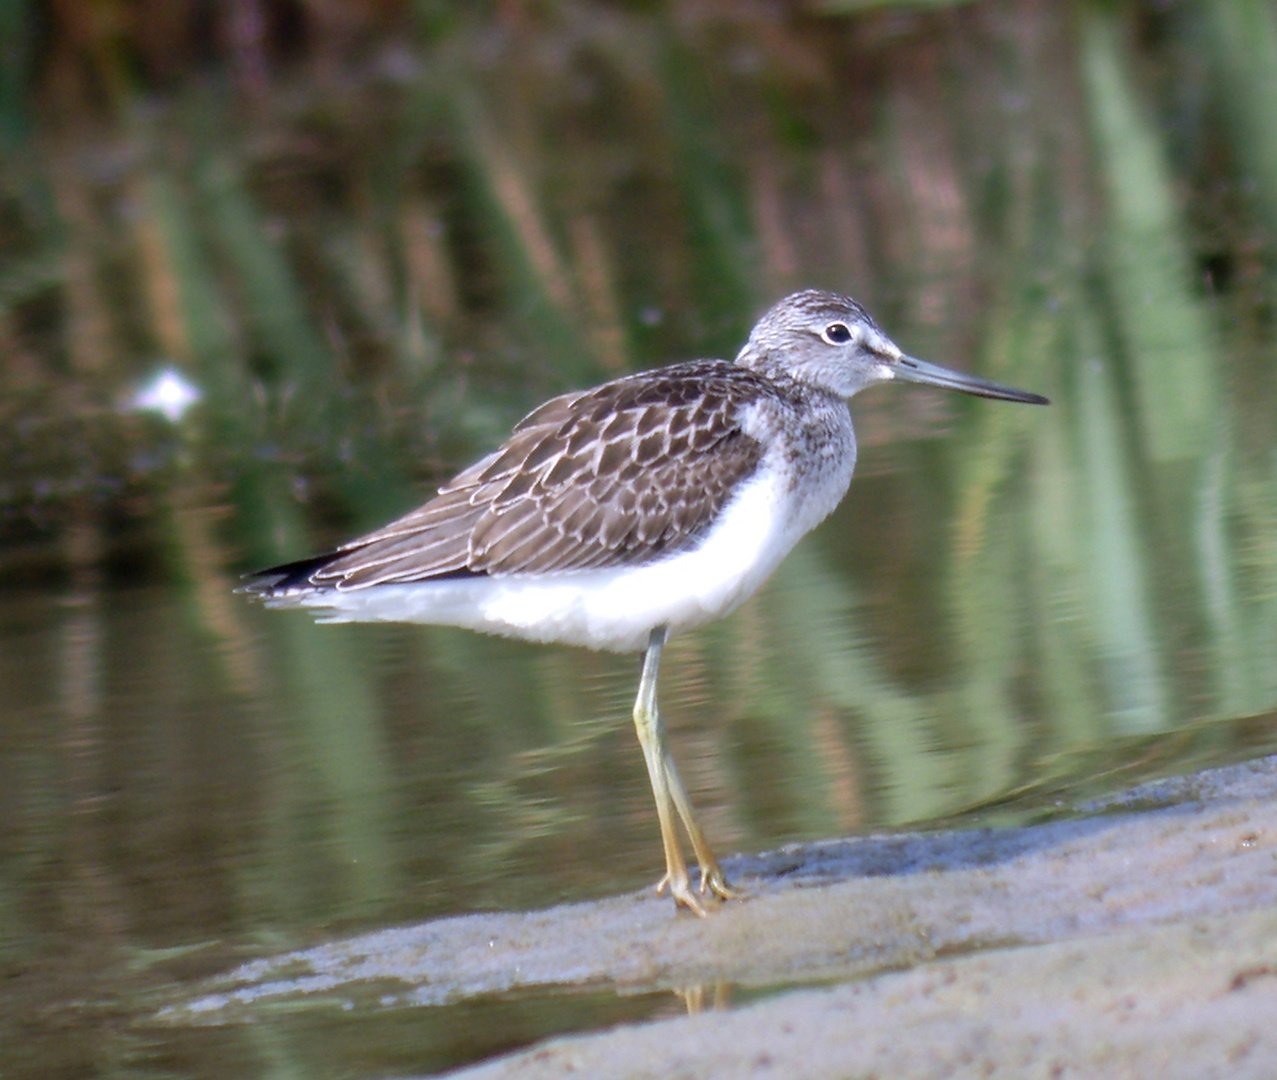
[(1140, 940)]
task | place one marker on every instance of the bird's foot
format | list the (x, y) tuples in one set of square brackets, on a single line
[(712, 884), (680, 888), (712, 881)]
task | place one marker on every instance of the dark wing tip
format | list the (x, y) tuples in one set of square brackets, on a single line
[(286, 577), (300, 575)]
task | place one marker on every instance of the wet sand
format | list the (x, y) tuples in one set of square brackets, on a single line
[(1138, 940)]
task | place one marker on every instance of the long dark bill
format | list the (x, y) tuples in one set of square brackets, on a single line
[(919, 371)]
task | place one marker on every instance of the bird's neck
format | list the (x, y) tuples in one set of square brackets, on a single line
[(775, 368)]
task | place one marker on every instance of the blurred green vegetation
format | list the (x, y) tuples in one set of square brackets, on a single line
[(374, 234)]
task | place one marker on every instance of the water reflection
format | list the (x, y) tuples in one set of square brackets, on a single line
[(370, 280)]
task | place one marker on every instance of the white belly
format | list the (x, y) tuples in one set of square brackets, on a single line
[(615, 608)]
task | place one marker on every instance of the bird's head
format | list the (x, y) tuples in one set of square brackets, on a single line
[(830, 342)]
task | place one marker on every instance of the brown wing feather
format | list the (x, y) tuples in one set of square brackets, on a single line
[(618, 475)]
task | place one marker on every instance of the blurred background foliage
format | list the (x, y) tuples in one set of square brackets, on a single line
[(371, 235)]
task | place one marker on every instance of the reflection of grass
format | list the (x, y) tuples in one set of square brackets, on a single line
[(1118, 568), (372, 279), (1062, 783), (1241, 42), (1163, 324)]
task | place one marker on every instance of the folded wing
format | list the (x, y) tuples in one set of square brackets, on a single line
[(633, 470)]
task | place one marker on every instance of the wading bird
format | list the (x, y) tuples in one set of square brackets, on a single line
[(615, 517)]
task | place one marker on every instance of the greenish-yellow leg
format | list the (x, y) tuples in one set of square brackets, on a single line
[(670, 795)]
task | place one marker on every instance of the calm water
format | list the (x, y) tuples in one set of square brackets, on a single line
[(1011, 604)]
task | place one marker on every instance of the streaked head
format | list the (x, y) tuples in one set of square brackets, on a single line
[(830, 341)]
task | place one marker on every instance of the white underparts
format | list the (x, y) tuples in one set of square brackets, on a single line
[(617, 608)]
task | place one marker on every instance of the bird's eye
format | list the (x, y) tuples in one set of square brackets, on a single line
[(836, 333)]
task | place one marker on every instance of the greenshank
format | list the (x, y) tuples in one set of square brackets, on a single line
[(614, 517)]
